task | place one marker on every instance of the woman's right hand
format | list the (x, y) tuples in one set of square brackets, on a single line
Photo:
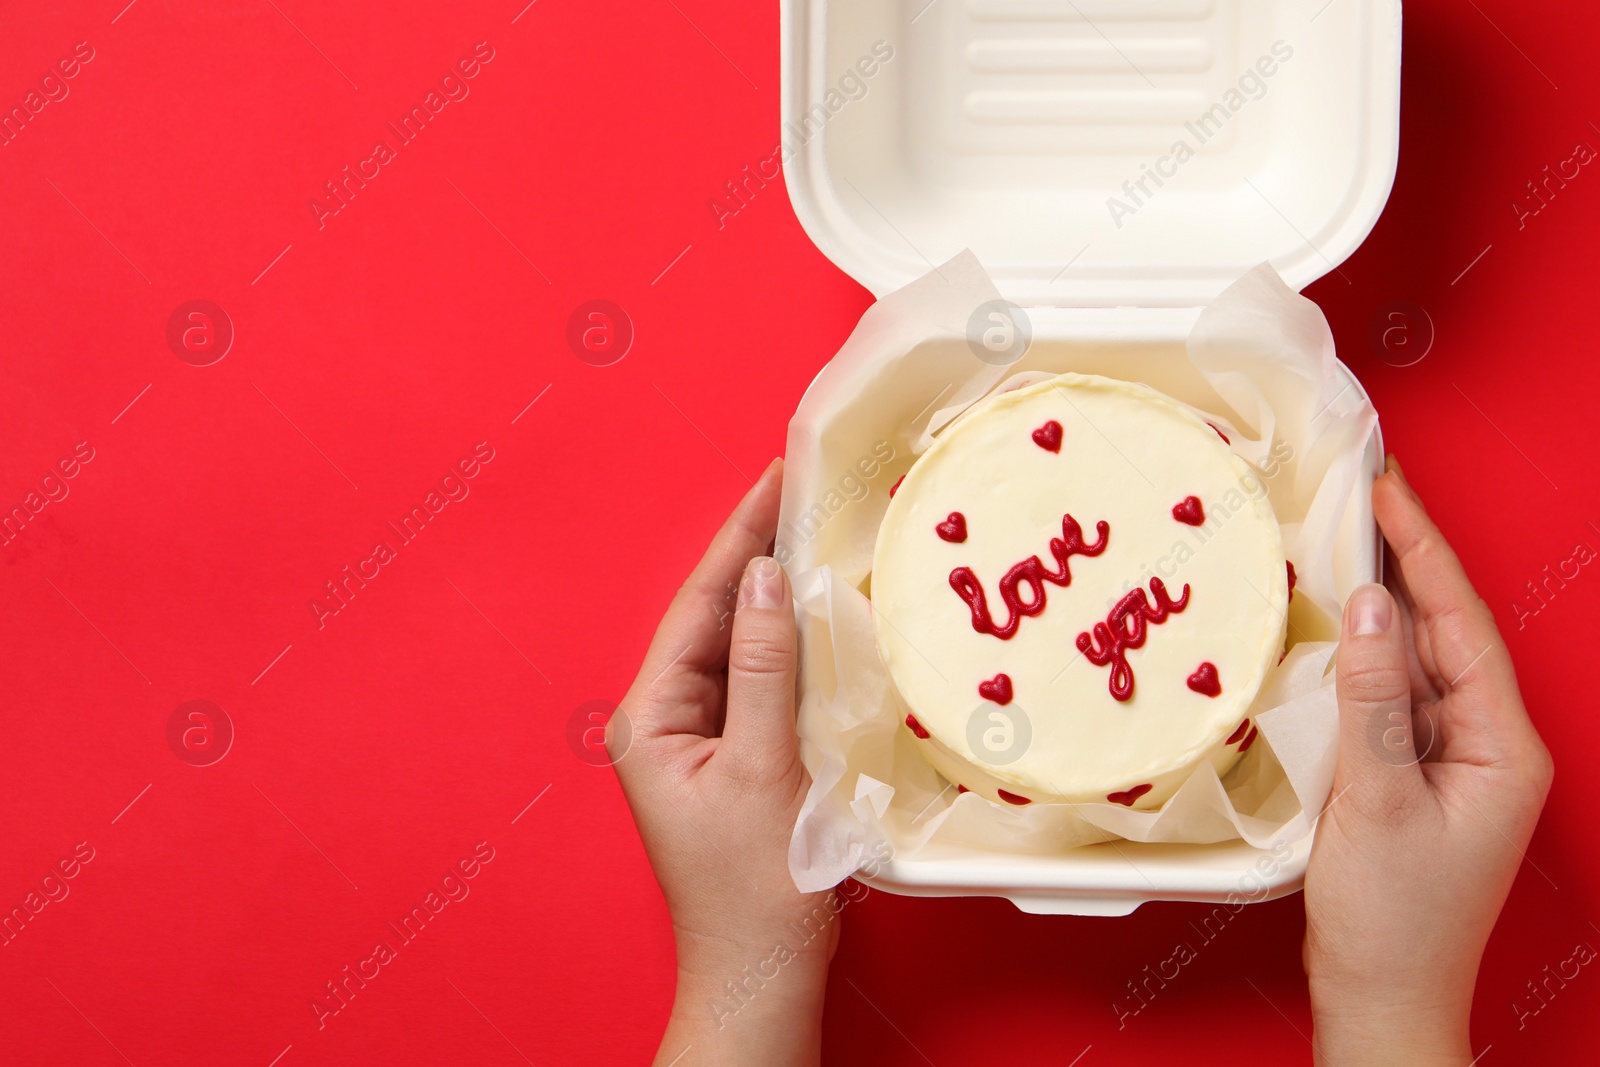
[(1441, 778)]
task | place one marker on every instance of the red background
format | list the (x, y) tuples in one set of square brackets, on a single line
[(428, 713)]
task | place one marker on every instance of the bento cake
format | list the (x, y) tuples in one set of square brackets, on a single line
[(1077, 592)]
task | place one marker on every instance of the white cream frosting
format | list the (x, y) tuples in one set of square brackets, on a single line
[(1127, 456)]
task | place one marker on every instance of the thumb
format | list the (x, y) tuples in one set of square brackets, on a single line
[(762, 658), (1377, 754)]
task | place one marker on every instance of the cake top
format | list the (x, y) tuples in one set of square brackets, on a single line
[(1091, 556)]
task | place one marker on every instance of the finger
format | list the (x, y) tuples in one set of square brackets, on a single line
[(1463, 641), (1377, 755), (1425, 721), (760, 730), (1424, 685), (675, 691), (1482, 717)]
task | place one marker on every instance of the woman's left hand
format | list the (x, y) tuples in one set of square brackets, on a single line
[(713, 774)]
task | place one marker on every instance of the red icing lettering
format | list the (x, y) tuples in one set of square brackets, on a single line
[(997, 689), (1238, 733), (1012, 798), (1125, 628), (1204, 680), (1048, 436), (954, 528), (1127, 797), (1030, 572), (916, 727), (1189, 511)]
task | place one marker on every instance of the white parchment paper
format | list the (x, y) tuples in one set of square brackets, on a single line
[(1259, 363)]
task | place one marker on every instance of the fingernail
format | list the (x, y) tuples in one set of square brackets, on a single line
[(762, 586), (1393, 467), (1370, 611)]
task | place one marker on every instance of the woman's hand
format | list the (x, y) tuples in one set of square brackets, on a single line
[(1440, 781), (714, 778)]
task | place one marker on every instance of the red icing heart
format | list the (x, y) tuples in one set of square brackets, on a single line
[(1220, 433), (997, 689), (1129, 796), (896, 485), (1012, 798), (1204, 680), (916, 727), (953, 529), (1238, 733), (1189, 511), (1291, 578), (960, 789), (1048, 436), (1248, 741)]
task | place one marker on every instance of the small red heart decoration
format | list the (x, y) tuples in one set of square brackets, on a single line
[(896, 485), (1189, 511), (1127, 797), (1291, 578), (997, 689), (1204, 680), (953, 529), (1238, 733), (916, 727), (1249, 740), (960, 789), (1048, 436), (1012, 798)]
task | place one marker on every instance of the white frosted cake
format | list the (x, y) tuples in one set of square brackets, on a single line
[(1078, 591)]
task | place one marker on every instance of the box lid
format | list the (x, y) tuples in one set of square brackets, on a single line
[(1091, 152)]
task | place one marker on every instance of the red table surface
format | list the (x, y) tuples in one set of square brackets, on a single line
[(376, 348)]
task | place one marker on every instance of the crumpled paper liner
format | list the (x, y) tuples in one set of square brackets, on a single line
[(906, 372)]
